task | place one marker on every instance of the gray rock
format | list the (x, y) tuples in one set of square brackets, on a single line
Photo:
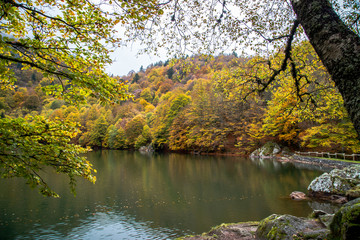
[(270, 149), (232, 231), (346, 222), (146, 149), (337, 182), (290, 227)]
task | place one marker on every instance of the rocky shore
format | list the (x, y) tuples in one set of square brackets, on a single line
[(344, 224), (340, 186), (230, 231)]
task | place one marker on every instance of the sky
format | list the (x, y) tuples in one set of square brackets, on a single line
[(126, 59)]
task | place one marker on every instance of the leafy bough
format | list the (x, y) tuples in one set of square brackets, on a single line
[(29, 145)]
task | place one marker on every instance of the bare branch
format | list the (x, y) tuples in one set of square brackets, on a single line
[(286, 58)]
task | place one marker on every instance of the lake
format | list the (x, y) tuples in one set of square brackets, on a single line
[(160, 196)]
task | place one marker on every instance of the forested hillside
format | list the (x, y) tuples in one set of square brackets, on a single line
[(203, 104)]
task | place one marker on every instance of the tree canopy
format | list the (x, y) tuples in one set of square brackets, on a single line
[(266, 28), (68, 42)]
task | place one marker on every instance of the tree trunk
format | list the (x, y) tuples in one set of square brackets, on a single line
[(338, 48)]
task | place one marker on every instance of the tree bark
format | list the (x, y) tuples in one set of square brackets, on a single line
[(338, 48)]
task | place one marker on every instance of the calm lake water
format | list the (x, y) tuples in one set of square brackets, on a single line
[(141, 196)]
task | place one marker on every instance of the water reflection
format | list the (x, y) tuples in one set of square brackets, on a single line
[(153, 197)]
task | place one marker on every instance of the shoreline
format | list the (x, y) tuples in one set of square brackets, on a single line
[(322, 162)]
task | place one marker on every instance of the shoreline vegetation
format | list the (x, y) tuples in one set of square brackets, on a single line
[(194, 105), (343, 224)]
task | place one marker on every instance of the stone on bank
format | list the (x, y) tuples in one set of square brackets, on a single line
[(337, 186), (287, 227), (270, 149)]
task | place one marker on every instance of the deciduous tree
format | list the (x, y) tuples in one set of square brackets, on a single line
[(265, 27), (69, 43)]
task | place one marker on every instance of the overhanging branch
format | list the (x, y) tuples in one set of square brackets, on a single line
[(37, 66), (285, 60)]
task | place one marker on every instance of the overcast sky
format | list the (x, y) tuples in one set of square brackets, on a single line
[(126, 59)]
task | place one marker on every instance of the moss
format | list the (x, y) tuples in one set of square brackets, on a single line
[(219, 230), (279, 227), (272, 231), (353, 192), (275, 234), (268, 148), (346, 222), (263, 224), (349, 215), (313, 215), (223, 225)]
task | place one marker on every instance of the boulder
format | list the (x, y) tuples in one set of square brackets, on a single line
[(232, 231), (241, 231), (270, 149), (337, 184), (346, 222), (298, 196), (146, 149), (290, 227)]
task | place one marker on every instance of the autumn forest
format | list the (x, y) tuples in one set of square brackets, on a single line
[(200, 104)]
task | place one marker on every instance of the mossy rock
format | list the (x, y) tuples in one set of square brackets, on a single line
[(233, 231), (278, 227), (337, 181), (346, 222), (353, 193), (268, 150)]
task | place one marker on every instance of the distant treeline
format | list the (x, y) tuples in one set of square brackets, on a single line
[(203, 104)]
